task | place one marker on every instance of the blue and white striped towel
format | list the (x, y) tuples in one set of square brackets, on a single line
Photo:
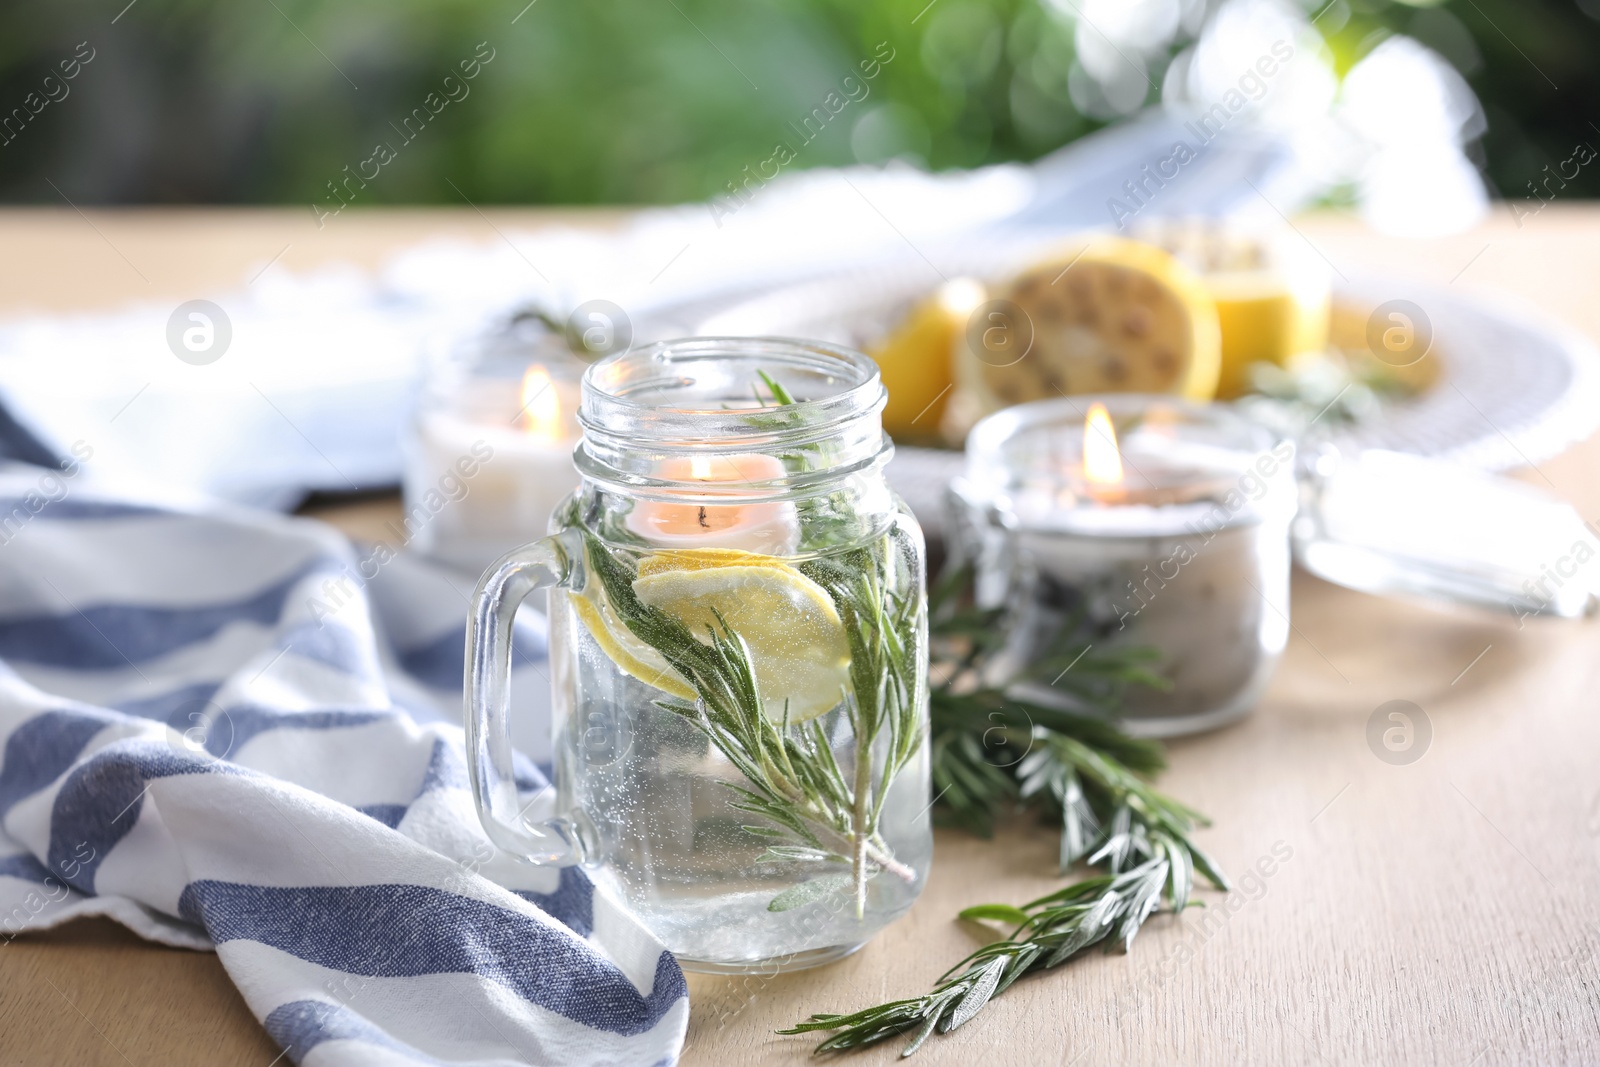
[(214, 730)]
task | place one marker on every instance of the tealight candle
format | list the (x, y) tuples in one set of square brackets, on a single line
[(1174, 539), (490, 457), (709, 504)]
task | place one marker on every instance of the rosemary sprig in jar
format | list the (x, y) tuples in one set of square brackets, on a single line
[(792, 778)]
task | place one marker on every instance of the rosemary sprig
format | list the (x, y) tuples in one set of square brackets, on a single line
[(993, 750), (992, 753), (792, 777), (1049, 931), (887, 676), (780, 395), (780, 413)]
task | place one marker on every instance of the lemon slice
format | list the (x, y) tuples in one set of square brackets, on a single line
[(627, 651), (1109, 316), (796, 640), (699, 559), (1272, 294), (1348, 333), (914, 360)]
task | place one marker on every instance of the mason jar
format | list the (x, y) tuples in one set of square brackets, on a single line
[(738, 654)]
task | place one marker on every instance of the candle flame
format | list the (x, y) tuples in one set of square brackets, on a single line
[(1102, 463), (541, 405), (700, 468)]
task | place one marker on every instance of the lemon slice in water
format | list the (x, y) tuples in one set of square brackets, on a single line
[(796, 639), (627, 651)]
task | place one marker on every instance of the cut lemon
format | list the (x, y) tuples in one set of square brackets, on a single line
[(915, 360), (1348, 333), (627, 651), (699, 559), (1272, 294), (1108, 316), (796, 640)]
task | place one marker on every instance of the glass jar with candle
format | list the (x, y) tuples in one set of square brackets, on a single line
[(1134, 524), (738, 655), (489, 455)]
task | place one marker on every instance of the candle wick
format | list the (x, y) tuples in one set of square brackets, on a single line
[(704, 525)]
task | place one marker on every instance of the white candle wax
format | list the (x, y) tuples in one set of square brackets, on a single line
[(470, 521)]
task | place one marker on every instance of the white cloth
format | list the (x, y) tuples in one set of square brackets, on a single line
[(215, 730), (313, 389)]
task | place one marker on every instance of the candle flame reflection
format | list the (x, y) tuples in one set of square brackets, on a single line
[(1102, 463), (541, 405)]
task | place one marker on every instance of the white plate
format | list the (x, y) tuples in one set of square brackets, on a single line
[(1514, 389)]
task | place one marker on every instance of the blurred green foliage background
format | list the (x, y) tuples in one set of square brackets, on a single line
[(636, 101)]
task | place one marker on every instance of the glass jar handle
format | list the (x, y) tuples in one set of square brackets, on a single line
[(503, 588)]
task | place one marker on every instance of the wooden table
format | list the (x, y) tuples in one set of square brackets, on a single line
[(1447, 911)]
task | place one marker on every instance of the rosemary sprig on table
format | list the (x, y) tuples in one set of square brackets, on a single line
[(1049, 931), (793, 779), (992, 753)]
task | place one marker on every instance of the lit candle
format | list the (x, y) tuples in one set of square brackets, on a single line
[(541, 406), (1174, 539), (710, 502), (1102, 461), (489, 464), (1171, 472)]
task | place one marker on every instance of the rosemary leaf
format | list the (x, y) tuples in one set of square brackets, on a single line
[(803, 893), (779, 393), (1006, 913)]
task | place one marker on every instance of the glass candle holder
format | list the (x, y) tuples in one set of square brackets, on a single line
[(738, 657), (1134, 524), (489, 453)]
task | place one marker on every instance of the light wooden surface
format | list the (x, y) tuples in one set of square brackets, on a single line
[(1444, 912)]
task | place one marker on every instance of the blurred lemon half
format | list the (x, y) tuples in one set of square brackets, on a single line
[(915, 360), (1272, 296), (796, 639), (1107, 316)]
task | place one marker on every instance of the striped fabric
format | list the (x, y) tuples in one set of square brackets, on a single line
[(216, 730)]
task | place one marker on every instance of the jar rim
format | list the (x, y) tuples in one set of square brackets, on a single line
[(703, 397), (629, 394)]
